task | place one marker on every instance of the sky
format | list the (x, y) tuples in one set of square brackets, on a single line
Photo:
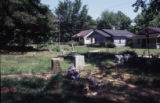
[(96, 7)]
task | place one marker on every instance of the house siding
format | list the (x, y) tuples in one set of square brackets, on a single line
[(119, 41), (89, 40)]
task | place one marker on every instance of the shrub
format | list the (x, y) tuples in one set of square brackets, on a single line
[(129, 43), (81, 42), (111, 45)]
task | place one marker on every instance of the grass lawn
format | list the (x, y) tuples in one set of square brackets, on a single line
[(137, 83), (33, 62), (121, 85)]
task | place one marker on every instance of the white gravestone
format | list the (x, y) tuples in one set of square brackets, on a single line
[(79, 61)]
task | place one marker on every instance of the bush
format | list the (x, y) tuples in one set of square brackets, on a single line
[(81, 42), (111, 45), (129, 43)]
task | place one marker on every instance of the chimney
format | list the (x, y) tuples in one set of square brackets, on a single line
[(113, 28)]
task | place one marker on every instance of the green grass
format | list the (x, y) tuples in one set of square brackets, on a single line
[(35, 62), (138, 51)]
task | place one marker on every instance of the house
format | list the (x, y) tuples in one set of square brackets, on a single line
[(83, 35), (118, 37), (149, 35)]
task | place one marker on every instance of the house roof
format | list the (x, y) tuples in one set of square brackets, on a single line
[(154, 32), (102, 33), (105, 33), (82, 33), (144, 36), (149, 30), (117, 33)]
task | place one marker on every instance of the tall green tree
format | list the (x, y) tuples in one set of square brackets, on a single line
[(149, 6), (150, 9), (73, 17), (110, 19), (24, 21), (142, 22)]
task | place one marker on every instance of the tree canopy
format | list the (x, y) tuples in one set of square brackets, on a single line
[(24, 21), (73, 17), (109, 19), (148, 6)]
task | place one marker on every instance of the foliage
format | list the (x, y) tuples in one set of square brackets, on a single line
[(142, 21), (25, 21), (149, 16), (111, 45), (148, 6), (81, 42), (110, 19), (72, 18)]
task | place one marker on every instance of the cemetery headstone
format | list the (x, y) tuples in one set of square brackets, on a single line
[(72, 48), (79, 61), (119, 58), (55, 65)]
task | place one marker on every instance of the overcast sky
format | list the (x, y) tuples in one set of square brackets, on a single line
[(96, 7)]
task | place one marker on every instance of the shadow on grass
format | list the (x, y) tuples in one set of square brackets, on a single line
[(144, 65), (58, 89), (18, 49)]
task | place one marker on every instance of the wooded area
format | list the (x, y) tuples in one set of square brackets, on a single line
[(26, 21)]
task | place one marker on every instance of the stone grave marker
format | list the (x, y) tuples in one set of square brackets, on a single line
[(55, 65), (79, 61), (72, 48)]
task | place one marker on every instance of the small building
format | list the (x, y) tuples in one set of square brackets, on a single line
[(118, 37), (83, 36), (148, 37)]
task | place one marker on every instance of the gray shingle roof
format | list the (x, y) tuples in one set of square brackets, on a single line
[(102, 33), (154, 32), (117, 33), (151, 30)]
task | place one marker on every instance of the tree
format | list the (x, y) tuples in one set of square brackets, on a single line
[(110, 19), (142, 22), (24, 21), (148, 6), (73, 17)]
